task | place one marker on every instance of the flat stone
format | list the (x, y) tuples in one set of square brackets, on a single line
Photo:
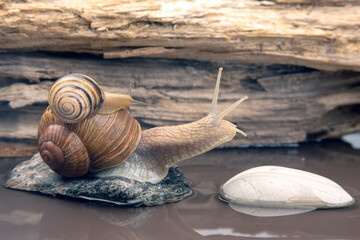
[(34, 175)]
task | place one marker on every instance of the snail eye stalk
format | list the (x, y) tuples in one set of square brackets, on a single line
[(218, 117)]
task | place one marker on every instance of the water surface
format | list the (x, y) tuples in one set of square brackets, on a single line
[(25, 215)]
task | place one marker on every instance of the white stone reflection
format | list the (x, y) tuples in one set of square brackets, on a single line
[(231, 232), (21, 217), (268, 212)]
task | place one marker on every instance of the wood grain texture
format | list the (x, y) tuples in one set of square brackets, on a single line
[(287, 104), (15, 149), (318, 34)]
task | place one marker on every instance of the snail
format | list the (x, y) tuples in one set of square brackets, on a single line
[(88, 131)]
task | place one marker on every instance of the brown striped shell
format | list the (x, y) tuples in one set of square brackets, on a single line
[(73, 139), (74, 97), (98, 142)]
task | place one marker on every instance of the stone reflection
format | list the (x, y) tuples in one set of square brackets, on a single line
[(95, 221), (87, 221), (268, 212), (21, 217)]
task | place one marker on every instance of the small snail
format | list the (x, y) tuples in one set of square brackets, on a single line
[(87, 131)]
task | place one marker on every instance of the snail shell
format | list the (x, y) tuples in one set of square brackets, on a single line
[(73, 140), (74, 97)]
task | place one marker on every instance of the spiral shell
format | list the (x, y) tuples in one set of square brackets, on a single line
[(74, 97), (63, 151), (96, 143)]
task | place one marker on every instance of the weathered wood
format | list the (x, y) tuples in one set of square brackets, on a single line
[(287, 104), (17, 149), (318, 34)]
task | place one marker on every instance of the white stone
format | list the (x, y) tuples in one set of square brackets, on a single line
[(281, 187)]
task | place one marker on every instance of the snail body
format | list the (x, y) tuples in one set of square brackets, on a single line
[(106, 141)]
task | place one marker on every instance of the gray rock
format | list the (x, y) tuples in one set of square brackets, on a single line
[(34, 175)]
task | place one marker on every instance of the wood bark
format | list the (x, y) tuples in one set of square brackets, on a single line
[(319, 34), (297, 60), (287, 104), (17, 149)]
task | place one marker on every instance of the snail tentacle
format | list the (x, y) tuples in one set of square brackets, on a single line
[(216, 94), (219, 117)]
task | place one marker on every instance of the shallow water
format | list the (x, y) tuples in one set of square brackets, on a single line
[(25, 215)]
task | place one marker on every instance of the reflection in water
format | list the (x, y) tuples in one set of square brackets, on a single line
[(20, 217), (231, 232), (129, 215), (113, 222), (200, 216), (268, 212)]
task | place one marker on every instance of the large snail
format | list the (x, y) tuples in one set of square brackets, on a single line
[(86, 130)]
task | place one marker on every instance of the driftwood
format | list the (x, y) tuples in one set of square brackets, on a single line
[(17, 149), (318, 34), (287, 104), (298, 61)]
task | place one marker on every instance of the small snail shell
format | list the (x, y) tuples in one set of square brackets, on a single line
[(74, 97), (73, 140)]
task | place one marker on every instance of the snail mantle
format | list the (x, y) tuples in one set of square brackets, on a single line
[(34, 175)]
